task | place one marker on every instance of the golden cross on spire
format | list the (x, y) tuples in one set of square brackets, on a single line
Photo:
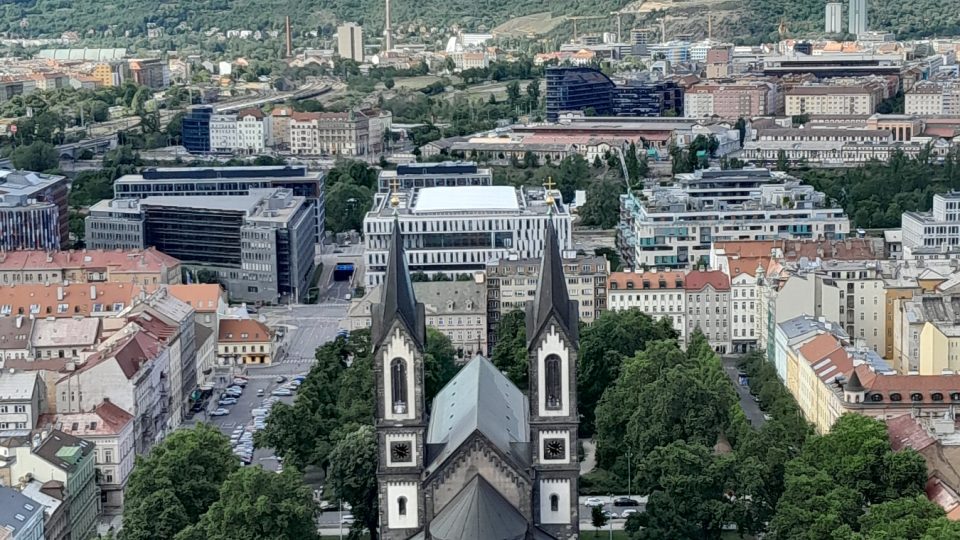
[(394, 199), (548, 186)]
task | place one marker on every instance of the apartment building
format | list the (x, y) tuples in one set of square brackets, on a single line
[(64, 337), (661, 295), (935, 231), (245, 132), (731, 101), (244, 342), (457, 309), (330, 134), (350, 41), (60, 461), (33, 210), (22, 399), (674, 226), (279, 137), (261, 245), (818, 100), (147, 266), (708, 306), (933, 98), (21, 518), (223, 133), (457, 230), (512, 282), (15, 335), (718, 60), (110, 429)]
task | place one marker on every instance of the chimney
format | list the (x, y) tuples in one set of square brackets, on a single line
[(289, 37), (60, 294), (19, 321), (93, 292)]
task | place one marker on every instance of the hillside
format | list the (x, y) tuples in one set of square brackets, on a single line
[(743, 20)]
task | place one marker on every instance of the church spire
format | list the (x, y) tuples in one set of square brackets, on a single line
[(397, 301), (552, 297)]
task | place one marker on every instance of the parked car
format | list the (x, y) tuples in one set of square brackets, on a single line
[(239, 382), (259, 392), (220, 412), (347, 519), (628, 512), (593, 501), (227, 401), (281, 379), (281, 392), (625, 501)]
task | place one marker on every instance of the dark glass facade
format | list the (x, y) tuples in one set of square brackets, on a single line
[(582, 88), (196, 129), (578, 89)]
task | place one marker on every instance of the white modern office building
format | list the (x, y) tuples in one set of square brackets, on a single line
[(834, 18), (457, 230), (857, 17), (674, 226), (936, 232)]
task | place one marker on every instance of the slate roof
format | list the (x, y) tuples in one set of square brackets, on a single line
[(479, 399), (479, 512), (398, 301), (552, 297), (16, 510)]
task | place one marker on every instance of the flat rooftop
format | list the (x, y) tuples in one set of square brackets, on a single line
[(467, 198)]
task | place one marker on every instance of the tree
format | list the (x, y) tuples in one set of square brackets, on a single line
[(572, 175), (783, 164), (602, 207), (908, 518), (389, 83), (741, 127), (633, 164), (530, 160), (598, 519), (533, 93), (38, 156), (353, 478), (612, 256), (513, 93), (257, 504), (439, 360), (190, 464), (158, 516), (510, 351), (346, 206)]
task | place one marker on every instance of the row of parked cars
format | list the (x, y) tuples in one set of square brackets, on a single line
[(618, 501), (230, 396)]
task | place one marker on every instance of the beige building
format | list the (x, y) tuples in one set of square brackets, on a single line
[(513, 282), (144, 267), (660, 295), (457, 309), (330, 134), (929, 98), (72, 339), (350, 41), (708, 307), (22, 399), (280, 128), (110, 429), (730, 101), (819, 100), (244, 341), (15, 337)]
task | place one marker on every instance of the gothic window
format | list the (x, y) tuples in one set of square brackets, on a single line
[(553, 385), (398, 390), (554, 503), (402, 506)]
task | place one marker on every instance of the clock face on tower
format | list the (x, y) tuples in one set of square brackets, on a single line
[(554, 448), (400, 452)]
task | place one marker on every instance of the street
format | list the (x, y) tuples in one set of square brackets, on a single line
[(750, 407)]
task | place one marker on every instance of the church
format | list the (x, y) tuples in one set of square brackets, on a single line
[(485, 461)]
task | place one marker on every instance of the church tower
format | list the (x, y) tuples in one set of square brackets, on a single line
[(552, 346), (398, 337)]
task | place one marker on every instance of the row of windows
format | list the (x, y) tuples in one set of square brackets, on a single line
[(16, 408)]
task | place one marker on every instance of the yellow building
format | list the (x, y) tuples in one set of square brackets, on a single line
[(939, 348), (244, 341), (104, 74)]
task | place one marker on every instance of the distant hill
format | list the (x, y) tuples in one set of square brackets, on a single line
[(747, 21)]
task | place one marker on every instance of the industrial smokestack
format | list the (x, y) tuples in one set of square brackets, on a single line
[(289, 37), (387, 37)]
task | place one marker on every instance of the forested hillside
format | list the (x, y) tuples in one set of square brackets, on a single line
[(742, 21)]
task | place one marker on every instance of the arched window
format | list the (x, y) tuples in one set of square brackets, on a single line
[(554, 503), (398, 388), (554, 388), (402, 506)]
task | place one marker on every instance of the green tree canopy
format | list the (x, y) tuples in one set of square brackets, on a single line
[(440, 362), (510, 349), (346, 206), (38, 156), (353, 477), (191, 464), (602, 208), (256, 504)]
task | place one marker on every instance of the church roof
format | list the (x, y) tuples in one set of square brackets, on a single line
[(398, 301), (552, 296), (479, 398), (479, 512)]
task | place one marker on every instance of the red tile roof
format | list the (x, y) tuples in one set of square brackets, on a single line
[(233, 330), (118, 261), (645, 280), (905, 432), (697, 280), (79, 298)]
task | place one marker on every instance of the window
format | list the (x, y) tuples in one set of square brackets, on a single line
[(19, 408), (398, 390), (553, 382), (554, 503), (108, 456), (402, 506)]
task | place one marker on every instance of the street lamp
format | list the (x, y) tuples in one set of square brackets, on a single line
[(629, 459)]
